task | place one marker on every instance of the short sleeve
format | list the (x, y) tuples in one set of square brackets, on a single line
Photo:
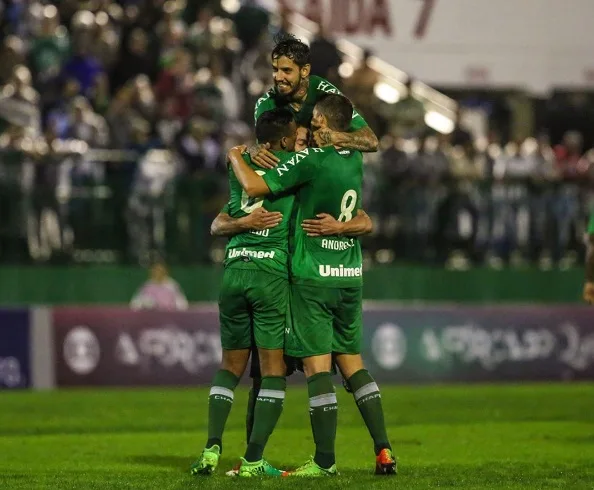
[(357, 122), (263, 104), (293, 171)]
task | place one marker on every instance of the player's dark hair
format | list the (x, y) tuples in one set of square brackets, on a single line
[(273, 125), (291, 47), (337, 109)]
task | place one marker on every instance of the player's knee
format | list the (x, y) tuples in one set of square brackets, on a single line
[(349, 364), (317, 364), (235, 361), (272, 362)]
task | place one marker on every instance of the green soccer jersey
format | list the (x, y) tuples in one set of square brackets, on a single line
[(325, 180), (266, 250), (318, 87)]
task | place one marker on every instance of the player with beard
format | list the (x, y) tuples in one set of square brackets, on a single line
[(297, 90)]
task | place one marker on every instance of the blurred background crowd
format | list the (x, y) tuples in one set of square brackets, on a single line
[(115, 117)]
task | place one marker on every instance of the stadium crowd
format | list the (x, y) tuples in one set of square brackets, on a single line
[(115, 117)]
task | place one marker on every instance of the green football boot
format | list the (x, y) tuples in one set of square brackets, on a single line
[(207, 462), (259, 468), (311, 468)]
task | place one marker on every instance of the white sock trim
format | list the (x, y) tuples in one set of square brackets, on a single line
[(219, 390), (322, 400), (265, 393), (366, 390)]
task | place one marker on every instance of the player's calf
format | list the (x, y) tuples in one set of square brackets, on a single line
[(323, 409), (268, 406), (368, 399), (220, 401)]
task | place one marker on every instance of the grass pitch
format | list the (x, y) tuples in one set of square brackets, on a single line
[(477, 436)]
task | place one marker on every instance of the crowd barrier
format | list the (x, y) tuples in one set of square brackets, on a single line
[(45, 348)]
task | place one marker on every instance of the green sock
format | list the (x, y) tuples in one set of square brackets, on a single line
[(220, 401), (269, 406), (249, 417), (369, 401), (323, 412)]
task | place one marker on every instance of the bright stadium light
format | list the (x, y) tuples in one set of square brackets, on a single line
[(345, 70), (386, 92), (439, 122), (230, 6)]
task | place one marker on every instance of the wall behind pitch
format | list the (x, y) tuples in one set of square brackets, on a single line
[(14, 349), (116, 346), (110, 285)]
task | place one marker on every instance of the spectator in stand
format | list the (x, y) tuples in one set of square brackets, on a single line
[(572, 168), (48, 53), (251, 22), (12, 54), (325, 57), (176, 82), (136, 58), (229, 93), (106, 41), (83, 66), (360, 89), (160, 292), (513, 173), (284, 22), (19, 101)]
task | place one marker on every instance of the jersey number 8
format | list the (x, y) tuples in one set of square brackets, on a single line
[(250, 204), (347, 205)]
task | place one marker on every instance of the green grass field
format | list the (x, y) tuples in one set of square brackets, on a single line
[(476, 436)]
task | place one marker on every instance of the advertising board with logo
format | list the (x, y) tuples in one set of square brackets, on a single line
[(14, 349), (117, 346), (479, 343)]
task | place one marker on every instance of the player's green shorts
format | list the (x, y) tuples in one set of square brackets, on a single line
[(324, 320), (253, 304)]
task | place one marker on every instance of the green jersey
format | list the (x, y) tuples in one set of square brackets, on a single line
[(318, 87), (325, 180), (266, 250), (591, 224)]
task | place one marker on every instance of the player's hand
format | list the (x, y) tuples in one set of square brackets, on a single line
[(324, 225), (324, 137), (262, 156), (260, 219), (240, 148), (589, 292)]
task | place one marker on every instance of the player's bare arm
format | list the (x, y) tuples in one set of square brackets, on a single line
[(589, 284), (253, 184), (259, 219), (363, 139), (325, 225)]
